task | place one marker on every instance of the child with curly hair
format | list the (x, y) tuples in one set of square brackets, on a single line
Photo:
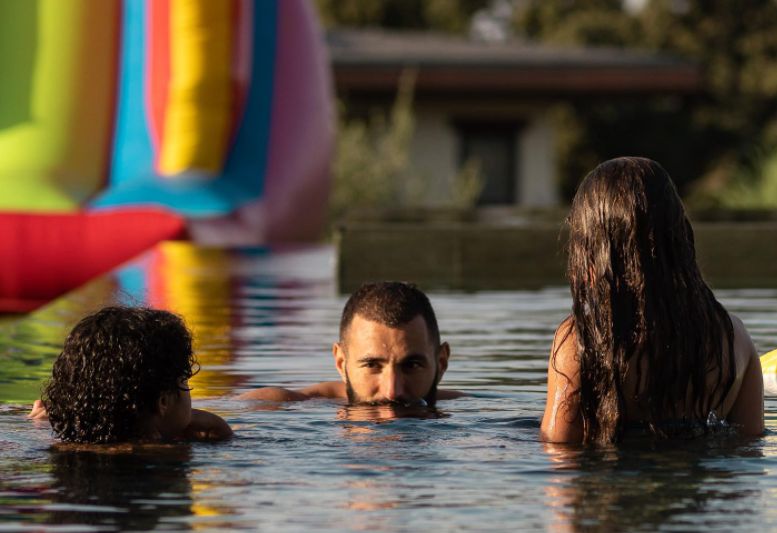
[(123, 376)]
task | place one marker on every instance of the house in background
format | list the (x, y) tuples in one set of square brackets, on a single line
[(492, 100)]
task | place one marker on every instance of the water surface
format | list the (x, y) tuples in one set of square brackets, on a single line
[(264, 318)]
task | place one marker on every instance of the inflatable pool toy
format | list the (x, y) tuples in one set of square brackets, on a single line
[(769, 368), (53, 253), (218, 114)]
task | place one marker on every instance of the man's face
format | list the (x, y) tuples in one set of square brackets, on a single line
[(381, 364)]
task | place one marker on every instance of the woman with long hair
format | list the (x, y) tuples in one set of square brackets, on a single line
[(647, 343)]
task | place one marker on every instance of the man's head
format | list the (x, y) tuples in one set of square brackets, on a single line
[(389, 349), (122, 374)]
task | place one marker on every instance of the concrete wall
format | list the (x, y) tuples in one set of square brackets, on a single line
[(481, 255), (536, 165), (434, 151)]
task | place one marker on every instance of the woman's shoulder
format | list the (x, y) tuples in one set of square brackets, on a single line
[(744, 350), (744, 405), (743, 354), (564, 350)]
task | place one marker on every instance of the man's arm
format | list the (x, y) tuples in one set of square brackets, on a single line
[(274, 394), (326, 389)]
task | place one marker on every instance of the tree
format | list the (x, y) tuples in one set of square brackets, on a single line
[(726, 136), (440, 15)]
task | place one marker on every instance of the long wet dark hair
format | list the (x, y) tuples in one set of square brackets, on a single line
[(639, 301)]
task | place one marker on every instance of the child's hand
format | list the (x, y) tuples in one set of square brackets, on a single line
[(38, 411), (207, 426)]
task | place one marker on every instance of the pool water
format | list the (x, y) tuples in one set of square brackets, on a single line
[(269, 318)]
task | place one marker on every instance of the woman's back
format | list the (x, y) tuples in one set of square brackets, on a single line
[(647, 341), (636, 409)]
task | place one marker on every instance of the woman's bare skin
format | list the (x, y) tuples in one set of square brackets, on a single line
[(562, 422)]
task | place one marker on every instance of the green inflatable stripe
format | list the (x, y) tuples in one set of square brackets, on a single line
[(58, 64)]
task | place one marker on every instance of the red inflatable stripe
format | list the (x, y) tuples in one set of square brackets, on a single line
[(157, 68), (45, 255)]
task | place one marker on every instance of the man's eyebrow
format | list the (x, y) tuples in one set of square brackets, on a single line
[(413, 357), (370, 358), (409, 358)]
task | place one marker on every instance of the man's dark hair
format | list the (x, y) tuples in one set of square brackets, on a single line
[(114, 366), (391, 303)]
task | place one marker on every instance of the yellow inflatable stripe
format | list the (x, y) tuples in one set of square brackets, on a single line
[(769, 367), (182, 294), (198, 115)]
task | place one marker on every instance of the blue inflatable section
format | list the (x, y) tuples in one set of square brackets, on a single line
[(133, 179)]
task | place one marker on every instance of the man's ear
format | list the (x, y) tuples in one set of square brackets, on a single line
[(443, 354), (339, 354)]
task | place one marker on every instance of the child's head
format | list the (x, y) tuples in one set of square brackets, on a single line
[(122, 375)]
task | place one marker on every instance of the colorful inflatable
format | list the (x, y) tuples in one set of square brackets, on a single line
[(216, 115), (769, 368)]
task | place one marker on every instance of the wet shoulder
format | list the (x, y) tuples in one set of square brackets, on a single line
[(744, 352), (564, 350)]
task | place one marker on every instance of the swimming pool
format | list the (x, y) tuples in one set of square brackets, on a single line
[(265, 318)]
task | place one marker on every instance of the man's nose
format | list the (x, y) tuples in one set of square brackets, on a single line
[(393, 385)]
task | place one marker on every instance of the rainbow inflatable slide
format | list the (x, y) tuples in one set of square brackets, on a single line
[(128, 122)]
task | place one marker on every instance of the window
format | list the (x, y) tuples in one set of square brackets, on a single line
[(493, 145)]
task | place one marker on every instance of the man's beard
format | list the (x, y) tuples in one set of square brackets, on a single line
[(429, 399)]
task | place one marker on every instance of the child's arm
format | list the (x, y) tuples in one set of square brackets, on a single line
[(38, 411), (207, 426)]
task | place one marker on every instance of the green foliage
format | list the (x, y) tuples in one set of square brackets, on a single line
[(442, 15), (753, 187), (717, 145), (590, 22), (371, 159), (718, 136), (467, 185), (372, 168)]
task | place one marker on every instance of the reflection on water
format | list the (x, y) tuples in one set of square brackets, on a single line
[(386, 413), (185, 279), (130, 490), (654, 486), (135, 489), (269, 318)]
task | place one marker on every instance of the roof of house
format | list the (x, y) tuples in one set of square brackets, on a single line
[(370, 60)]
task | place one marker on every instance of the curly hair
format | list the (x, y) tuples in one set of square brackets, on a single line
[(114, 366), (640, 302)]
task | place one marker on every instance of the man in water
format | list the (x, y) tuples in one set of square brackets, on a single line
[(389, 352)]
